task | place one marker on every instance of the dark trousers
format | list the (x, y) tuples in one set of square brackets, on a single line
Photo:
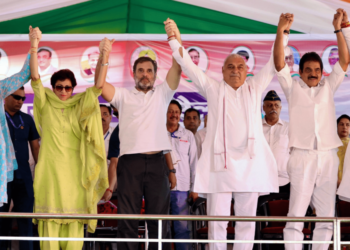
[(142, 175), (23, 203), (285, 189)]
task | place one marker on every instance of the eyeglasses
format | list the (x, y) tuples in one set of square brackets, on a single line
[(105, 114), (18, 97), (67, 88)]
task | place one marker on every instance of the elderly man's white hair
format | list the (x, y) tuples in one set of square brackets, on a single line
[(234, 56)]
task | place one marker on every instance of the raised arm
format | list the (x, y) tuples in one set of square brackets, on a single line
[(174, 73), (198, 77), (344, 58), (284, 25), (34, 36), (108, 89), (12, 83)]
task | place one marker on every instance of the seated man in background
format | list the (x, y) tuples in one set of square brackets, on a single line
[(276, 134), (343, 124), (192, 120)]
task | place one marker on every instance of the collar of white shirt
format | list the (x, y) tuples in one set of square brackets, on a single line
[(279, 122), (135, 91), (304, 85)]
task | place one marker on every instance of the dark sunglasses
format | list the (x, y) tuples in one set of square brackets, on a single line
[(60, 88), (18, 97)]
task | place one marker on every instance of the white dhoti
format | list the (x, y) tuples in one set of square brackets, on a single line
[(219, 204), (313, 178)]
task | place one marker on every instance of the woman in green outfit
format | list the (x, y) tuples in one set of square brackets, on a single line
[(71, 174)]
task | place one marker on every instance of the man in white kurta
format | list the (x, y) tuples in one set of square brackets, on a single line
[(313, 164), (276, 135), (236, 157)]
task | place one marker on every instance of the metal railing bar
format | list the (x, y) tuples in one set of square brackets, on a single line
[(169, 217), (157, 240)]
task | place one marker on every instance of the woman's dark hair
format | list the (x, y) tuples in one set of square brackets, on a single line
[(343, 116), (310, 56), (176, 103), (62, 75), (143, 59)]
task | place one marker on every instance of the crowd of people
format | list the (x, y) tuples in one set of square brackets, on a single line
[(149, 156)]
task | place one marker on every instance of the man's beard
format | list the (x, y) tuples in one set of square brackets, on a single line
[(147, 86)]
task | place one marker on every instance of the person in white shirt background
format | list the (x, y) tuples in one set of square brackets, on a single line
[(106, 116), (44, 61), (276, 134), (142, 170), (236, 157), (192, 120), (184, 144), (200, 136), (313, 163)]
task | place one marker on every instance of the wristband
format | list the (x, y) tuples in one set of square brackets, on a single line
[(109, 190), (174, 45), (336, 31), (286, 31), (106, 64), (171, 37)]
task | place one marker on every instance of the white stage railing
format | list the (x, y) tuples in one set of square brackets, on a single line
[(335, 220)]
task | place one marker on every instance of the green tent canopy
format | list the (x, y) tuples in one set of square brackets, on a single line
[(134, 16)]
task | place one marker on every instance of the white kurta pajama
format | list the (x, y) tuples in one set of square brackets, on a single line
[(236, 157), (313, 164)]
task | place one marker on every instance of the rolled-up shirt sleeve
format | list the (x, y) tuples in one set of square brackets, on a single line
[(285, 80)]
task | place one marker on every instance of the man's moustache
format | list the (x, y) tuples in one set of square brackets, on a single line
[(315, 77), (273, 111)]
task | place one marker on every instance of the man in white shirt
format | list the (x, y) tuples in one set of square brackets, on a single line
[(236, 157), (200, 136), (313, 163), (192, 120), (276, 134), (106, 116), (142, 170), (184, 144)]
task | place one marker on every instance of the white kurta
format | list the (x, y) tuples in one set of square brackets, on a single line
[(200, 136), (277, 137), (242, 174)]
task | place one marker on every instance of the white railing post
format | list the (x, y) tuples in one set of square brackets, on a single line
[(160, 230), (338, 235)]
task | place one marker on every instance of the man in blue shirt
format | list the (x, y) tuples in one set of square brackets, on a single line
[(20, 190)]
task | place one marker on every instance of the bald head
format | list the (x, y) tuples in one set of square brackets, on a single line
[(234, 70)]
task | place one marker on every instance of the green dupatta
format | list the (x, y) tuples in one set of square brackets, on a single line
[(87, 126)]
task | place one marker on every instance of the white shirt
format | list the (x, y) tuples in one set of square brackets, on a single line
[(107, 137), (199, 137), (259, 174), (48, 71), (142, 118), (312, 110), (184, 144), (277, 137)]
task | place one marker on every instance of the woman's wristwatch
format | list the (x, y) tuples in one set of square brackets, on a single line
[(173, 170)]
